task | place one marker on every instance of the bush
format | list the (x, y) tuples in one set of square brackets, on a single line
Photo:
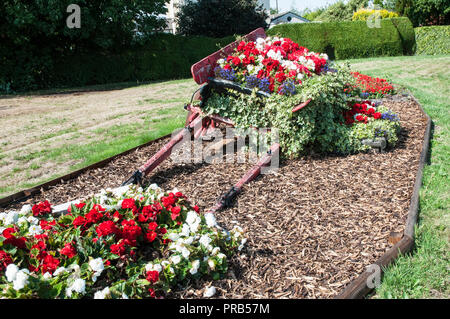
[(354, 39), (364, 14), (433, 40), (161, 57)]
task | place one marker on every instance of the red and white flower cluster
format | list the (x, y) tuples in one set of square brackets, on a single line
[(273, 60), (151, 238), (361, 112)]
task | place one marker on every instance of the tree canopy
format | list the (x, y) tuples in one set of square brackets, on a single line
[(220, 18)]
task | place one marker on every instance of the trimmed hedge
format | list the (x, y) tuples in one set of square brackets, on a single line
[(352, 39), (163, 57), (433, 40)]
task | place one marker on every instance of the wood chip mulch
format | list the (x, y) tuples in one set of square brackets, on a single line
[(312, 227)]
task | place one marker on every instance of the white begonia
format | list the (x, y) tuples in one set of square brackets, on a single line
[(102, 294), (195, 266), (210, 220), (26, 209), (21, 279), (195, 226), (175, 259), (157, 267), (205, 240), (11, 218), (119, 191), (173, 236), (215, 251), (2, 217), (185, 252), (185, 230), (33, 220), (189, 240), (97, 265), (164, 263), (22, 220), (59, 270), (191, 217), (2, 229), (47, 275), (211, 264), (209, 292), (79, 286), (35, 230), (221, 256), (11, 272)]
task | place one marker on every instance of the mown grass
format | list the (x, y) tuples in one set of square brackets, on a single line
[(424, 273)]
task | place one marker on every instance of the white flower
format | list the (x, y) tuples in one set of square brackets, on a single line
[(191, 217), (209, 292), (97, 265), (205, 240), (194, 227), (11, 272), (157, 267), (11, 218), (175, 259), (189, 240), (185, 231), (173, 236), (26, 209), (119, 191), (221, 256), (195, 266), (34, 230), (211, 264), (22, 220), (33, 220), (185, 252), (3, 216), (215, 251), (210, 220), (58, 271), (102, 294), (21, 279), (79, 286), (47, 275)]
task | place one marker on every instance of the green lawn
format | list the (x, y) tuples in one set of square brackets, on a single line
[(426, 272)]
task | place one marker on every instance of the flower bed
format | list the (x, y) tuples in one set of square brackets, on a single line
[(125, 243), (330, 123)]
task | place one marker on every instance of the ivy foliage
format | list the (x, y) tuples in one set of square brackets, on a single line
[(318, 127)]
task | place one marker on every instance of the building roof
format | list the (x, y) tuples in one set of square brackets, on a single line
[(291, 13)]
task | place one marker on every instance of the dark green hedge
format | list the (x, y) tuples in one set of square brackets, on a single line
[(433, 40), (352, 39), (164, 56)]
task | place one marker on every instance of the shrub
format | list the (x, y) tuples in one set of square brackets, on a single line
[(364, 14), (433, 40), (161, 57), (354, 39)]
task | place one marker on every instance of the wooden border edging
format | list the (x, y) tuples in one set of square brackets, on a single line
[(24, 194), (358, 288)]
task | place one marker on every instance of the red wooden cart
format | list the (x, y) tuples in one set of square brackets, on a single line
[(203, 74)]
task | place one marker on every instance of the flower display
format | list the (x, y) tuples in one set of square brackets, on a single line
[(370, 86), (271, 65), (133, 243)]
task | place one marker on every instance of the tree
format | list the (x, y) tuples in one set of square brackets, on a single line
[(220, 18), (341, 11)]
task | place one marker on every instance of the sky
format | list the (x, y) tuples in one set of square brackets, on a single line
[(300, 5)]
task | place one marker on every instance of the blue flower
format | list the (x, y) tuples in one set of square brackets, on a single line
[(390, 116), (288, 88)]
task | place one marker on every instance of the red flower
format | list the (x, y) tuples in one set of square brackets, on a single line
[(5, 260), (152, 276), (152, 292), (175, 212), (377, 115), (93, 216), (41, 209), (68, 250), (45, 225), (150, 236), (50, 264), (152, 226), (107, 228), (118, 249), (80, 220), (7, 233)]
